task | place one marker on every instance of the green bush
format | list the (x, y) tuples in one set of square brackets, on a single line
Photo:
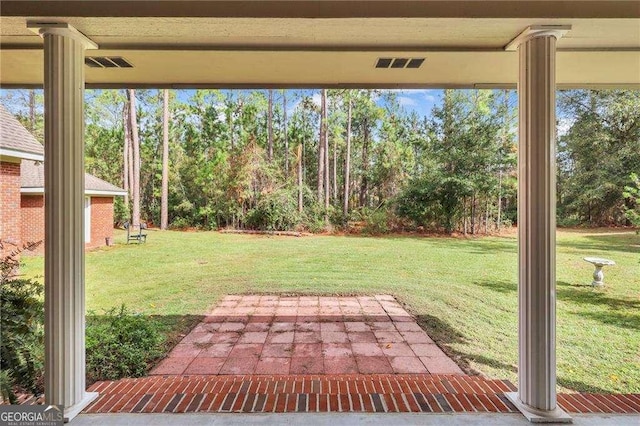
[(120, 211), (376, 222), (118, 344), (632, 194), (22, 331), (121, 344), (275, 211), (313, 216), (179, 224), (506, 224), (568, 221), (314, 223), (419, 204), (434, 201)]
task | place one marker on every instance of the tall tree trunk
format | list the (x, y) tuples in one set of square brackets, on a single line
[(335, 171), (239, 112), (131, 178), (505, 130), (347, 165), (473, 214), (464, 216), (327, 164), (135, 216), (499, 218), (32, 111), (486, 217), (364, 183), (321, 153), (164, 202), (270, 126), (284, 125), (127, 170), (231, 109), (447, 129), (300, 198)]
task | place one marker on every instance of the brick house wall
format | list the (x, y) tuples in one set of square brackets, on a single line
[(32, 212), (10, 205), (101, 220)]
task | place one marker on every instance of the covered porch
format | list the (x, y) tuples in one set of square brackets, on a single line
[(538, 46)]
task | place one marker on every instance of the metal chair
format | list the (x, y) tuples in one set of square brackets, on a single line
[(135, 232)]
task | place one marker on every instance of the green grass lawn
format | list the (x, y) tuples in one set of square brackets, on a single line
[(463, 291)]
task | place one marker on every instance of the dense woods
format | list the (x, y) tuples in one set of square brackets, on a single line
[(347, 159)]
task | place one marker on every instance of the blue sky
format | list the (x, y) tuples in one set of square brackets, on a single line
[(419, 100)]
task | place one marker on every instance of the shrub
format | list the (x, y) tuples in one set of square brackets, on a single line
[(183, 215), (275, 211), (22, 338), (434, 201), (314, 223), (418, 203), (118, 344), (313, 217), (121, 344), (376, 221), (506, 224), (568, 221), (120, 211), (179, 224), (632, 194)]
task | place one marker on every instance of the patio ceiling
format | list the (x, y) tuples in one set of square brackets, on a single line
[(243, 44)]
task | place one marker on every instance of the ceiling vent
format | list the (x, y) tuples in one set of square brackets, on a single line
[(107, 62), (399, 63)]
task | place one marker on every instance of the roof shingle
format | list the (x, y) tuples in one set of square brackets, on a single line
[(15, 137), (32, 177)]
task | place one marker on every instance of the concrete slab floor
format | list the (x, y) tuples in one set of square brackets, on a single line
[(338, 419)]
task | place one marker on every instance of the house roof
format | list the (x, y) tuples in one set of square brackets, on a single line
[(15, 140), (32, 181)]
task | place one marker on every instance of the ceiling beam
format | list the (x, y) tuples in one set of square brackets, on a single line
[(327, 9)]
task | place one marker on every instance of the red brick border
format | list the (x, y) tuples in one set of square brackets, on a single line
[(327, 393)]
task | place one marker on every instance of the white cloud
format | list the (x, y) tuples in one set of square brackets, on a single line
[(564, 124), (407, 101), (411, 91), (415, 97), (316, 99), (430, 98)]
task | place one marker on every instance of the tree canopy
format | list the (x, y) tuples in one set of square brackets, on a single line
[(284, 159)]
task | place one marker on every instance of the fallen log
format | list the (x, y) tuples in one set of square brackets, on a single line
[(254, 232)]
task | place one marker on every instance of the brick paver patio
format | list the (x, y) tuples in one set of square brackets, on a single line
[(267, 335), (317, 354), (426, 393)]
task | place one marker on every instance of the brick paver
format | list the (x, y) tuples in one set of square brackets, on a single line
[(322, 393), (317, 354), (314, 334)]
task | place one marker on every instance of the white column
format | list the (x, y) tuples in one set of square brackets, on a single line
[(536, 396), (64, 216)]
